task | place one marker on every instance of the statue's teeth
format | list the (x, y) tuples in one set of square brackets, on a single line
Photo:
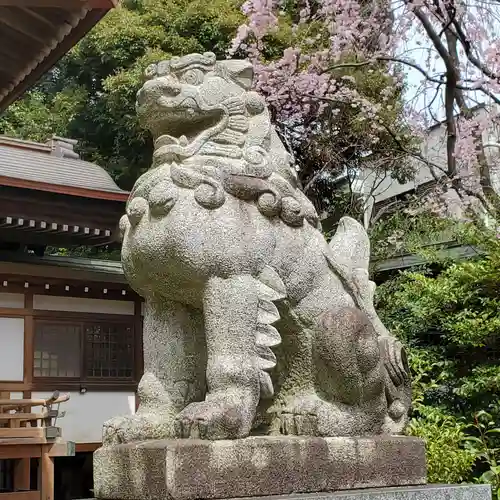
[(231, 137), (239, 123), (234, 106)]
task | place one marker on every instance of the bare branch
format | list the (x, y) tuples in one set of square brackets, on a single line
[(432, 166), (439, 81), (384, 210), (467, 46), (436, 40)]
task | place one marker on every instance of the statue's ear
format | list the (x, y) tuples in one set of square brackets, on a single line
[(240, 71)]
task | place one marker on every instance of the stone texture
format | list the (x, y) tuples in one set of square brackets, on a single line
[(252, 319), (430, 492), (255, 466)]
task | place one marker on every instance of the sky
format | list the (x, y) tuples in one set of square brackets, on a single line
[(417, 49)]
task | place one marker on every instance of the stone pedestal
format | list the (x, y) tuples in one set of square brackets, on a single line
[(256, 466), (431, 492)]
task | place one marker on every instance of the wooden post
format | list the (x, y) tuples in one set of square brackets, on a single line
[(4, 395), (46, 474), (22, 474)]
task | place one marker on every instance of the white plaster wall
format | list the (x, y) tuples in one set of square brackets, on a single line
[(11, 349), (76, 304), (86, 413), (383, 186), (13, 300), (16, 395)]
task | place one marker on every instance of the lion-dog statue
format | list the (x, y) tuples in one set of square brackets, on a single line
[(253, 323)]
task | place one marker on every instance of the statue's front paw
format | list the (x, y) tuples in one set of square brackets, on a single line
[(213, 419), (139, 427), (115, 430)]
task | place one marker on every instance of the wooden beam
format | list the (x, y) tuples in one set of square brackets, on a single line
[(84, 288), (41, 64), (11, 312), (21, 442), (61, 208), (87, 447), (20, 450), (62, 449), (36, 15), (15, 21), (52, 238), (31, 432), (10, 61), (30, 447), (12, 222), (23, 416), (29, 339), (12, 404), (23, 432), (9, 386), (21, 495)]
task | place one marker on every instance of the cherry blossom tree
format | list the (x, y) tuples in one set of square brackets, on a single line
[(344, 71)]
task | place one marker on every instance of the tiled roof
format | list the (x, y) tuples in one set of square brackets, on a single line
[(42, 167), (102, 270), (38, 166), (35, 34)]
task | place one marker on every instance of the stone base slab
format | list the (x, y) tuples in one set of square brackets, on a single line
[(187, 469), (430, 492)]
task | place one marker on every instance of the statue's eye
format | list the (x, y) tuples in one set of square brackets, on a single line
[(192, 77), (150, 72)]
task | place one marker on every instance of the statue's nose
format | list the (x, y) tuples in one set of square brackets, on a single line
[(136, 210)]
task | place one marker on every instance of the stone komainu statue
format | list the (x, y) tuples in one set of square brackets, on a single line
[(253, 323)]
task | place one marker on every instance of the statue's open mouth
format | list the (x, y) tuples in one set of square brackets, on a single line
[(184, 118)]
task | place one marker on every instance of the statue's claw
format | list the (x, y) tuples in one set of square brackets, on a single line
[(214, 419)]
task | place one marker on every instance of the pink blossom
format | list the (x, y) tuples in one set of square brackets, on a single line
[(304, 82)]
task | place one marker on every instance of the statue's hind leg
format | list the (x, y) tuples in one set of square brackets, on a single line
[(349, 380)]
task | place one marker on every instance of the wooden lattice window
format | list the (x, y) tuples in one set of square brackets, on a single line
[(57, 350), (109, 350), (84, 351)]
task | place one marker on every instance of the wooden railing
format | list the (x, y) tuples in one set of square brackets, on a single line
[(24, 435)]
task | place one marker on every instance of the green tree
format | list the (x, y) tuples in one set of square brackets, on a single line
[(90, 95), (450, 320)]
